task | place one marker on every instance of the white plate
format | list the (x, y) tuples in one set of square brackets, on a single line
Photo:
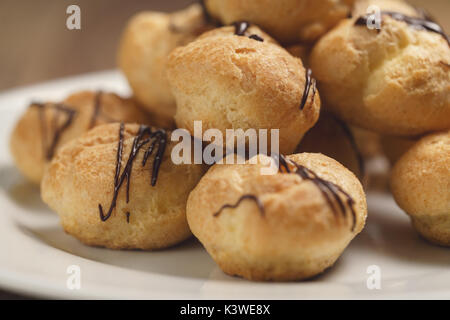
[(35, 252)]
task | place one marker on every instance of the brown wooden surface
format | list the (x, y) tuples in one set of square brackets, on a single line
[(36, 46)]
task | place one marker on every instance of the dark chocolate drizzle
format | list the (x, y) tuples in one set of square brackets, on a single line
[(145, 136), (330, 191), (309, 82), (256, 37), (244, 197), (282, 163), (60, 109), (128, 216), (362, 21), (97, 106), (354, 145), (423, 23), (241, 28)]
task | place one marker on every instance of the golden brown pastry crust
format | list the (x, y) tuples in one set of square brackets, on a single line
[(31, 138), (287, 20), (420, 183), (394, 82), (146, 42), (297, 236), (235, 82), (81, 177)]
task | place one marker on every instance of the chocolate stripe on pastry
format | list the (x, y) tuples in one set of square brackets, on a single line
[(244, 197), (354, 145), (309, 82), (331, 192), (60, 109), (282, 163), (256, 37), (144, 137), (417, 23), (97, 106)]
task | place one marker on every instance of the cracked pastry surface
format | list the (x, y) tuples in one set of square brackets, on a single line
[(394, 81), (276, 227), (287, 20), (231, 81), (45, 127), (80, 184), (420, 183), (146, 42)]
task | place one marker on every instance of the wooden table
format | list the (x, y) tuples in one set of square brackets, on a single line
[(36, 45)]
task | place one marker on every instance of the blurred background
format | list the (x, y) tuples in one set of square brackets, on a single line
[(35, 44)]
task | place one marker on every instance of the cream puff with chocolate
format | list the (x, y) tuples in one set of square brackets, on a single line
[(117, 187), (46, 126), (291, 225), (393, 78), (238, 77)]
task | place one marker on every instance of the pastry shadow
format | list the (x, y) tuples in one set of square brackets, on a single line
[(186, 260), (198, 264), (393, 235), (21, 191)]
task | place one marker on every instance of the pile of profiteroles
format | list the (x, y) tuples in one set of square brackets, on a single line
[(104, 164)]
